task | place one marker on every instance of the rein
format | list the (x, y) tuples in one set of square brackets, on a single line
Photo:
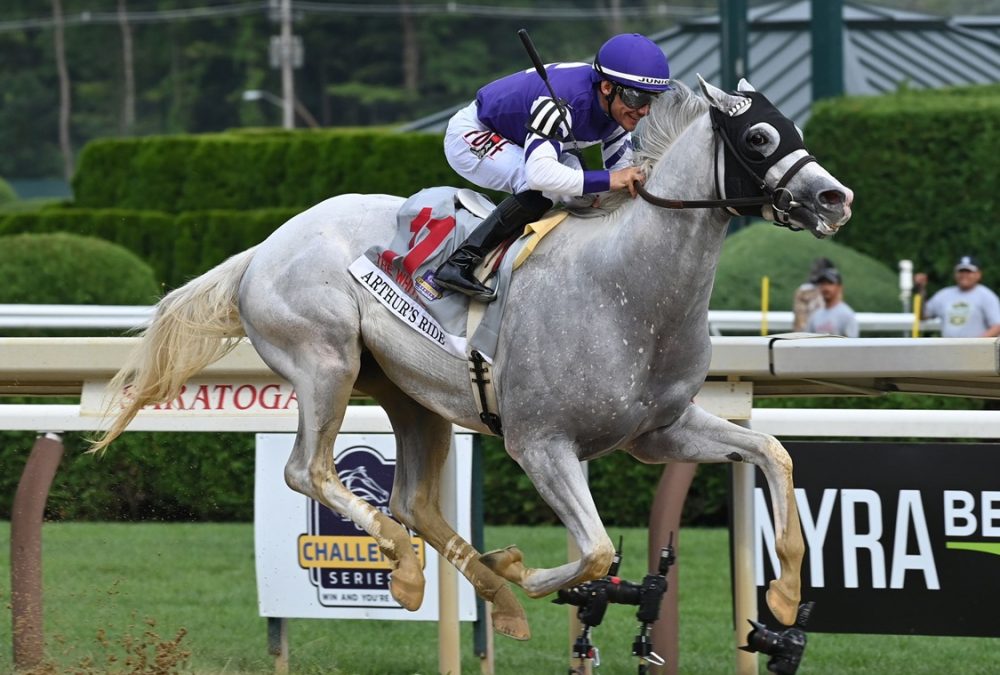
[(700, 203), (779, 197)]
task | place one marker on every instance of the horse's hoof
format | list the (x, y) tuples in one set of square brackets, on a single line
[(508, 616), (407, 587), (784, 608), (506, 562)]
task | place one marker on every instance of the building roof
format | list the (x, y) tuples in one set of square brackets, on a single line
[(883, 50)]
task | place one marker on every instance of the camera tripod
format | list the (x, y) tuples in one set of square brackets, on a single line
[(593, 597)]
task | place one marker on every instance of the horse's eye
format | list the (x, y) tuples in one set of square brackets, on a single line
[(757, 139)]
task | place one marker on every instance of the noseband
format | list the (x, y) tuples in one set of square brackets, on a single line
[(779, 197)]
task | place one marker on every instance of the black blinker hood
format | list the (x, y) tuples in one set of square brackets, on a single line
[(745, 173)]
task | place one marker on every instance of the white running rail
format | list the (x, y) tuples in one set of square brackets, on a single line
[(126, 317)]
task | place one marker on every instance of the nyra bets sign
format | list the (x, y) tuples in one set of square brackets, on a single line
[(900, 538), (314, 563)]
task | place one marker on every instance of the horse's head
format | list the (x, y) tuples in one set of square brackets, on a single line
[(764, 154)]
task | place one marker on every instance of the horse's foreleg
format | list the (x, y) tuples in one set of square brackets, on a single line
[(423, 440), (698, 436), (558, 476)]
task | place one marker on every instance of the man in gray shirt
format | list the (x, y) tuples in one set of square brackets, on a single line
[(967, 309), (835, 317)]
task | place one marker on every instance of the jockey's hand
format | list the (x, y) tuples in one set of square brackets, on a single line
[(625, 179)]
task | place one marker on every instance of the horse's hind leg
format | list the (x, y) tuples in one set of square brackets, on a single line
[(698, 436), (423, 440), (323, 379)]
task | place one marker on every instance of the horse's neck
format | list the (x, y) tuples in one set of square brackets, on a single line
[(676, 251)]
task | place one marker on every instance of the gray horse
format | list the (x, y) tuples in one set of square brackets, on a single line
[(603, 346)]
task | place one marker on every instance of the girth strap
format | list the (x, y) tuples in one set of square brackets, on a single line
[(484, 392), (481, 374)]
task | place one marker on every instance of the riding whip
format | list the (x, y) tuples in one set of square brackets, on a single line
[(529, 46)]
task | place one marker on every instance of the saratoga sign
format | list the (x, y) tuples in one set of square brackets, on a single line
[(210, 397), (900, 538)]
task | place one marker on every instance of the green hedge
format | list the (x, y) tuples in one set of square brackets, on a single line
[(623, 490), (63, 268), (209, 477), (926, 174), (233, 171), (7, 193), (176, 246), (163, 476), (144, 476)]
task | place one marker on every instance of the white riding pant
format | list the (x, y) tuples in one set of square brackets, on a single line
[(486, 158)]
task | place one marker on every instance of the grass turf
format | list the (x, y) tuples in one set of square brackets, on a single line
[(132, 598)]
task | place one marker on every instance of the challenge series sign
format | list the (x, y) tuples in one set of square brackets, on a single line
[(900, 538), (314, 563)]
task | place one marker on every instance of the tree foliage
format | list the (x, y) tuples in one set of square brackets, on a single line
[(191, 71)]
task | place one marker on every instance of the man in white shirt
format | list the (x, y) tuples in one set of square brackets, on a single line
[(967, 309)]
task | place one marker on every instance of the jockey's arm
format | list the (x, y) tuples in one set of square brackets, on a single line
[(548, 126), (544, 172)]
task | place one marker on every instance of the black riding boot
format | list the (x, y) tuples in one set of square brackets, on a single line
[(513, 213)]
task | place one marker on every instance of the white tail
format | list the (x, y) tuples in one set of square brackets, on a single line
[(193, 326)]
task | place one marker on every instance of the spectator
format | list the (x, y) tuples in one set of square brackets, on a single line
[(966, 309), (807, 298), (835, 317)]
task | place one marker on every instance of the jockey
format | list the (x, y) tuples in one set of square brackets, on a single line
[(512, 138)]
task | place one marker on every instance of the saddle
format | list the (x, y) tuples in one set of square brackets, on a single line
[(430, 226)]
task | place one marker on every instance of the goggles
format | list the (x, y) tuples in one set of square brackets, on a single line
[(635, 98)]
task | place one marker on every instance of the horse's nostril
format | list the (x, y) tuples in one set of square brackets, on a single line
[(832, 197)]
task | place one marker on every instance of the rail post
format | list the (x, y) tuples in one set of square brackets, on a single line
[(27, 513)]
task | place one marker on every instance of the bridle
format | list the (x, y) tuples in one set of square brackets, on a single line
[(779, 197)]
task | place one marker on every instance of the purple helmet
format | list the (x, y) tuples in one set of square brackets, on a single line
[(633, 60)]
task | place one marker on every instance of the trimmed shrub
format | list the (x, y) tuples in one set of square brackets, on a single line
[(62, 268), (108, 165), (239, 171), (177, 247), (143, 476), (157, 169), (785, 258), (231, 173), (7, 193)]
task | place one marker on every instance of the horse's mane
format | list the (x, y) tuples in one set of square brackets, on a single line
[(668, 117)]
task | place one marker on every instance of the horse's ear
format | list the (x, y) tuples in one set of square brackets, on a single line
[(744, 86), (730, 104)]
